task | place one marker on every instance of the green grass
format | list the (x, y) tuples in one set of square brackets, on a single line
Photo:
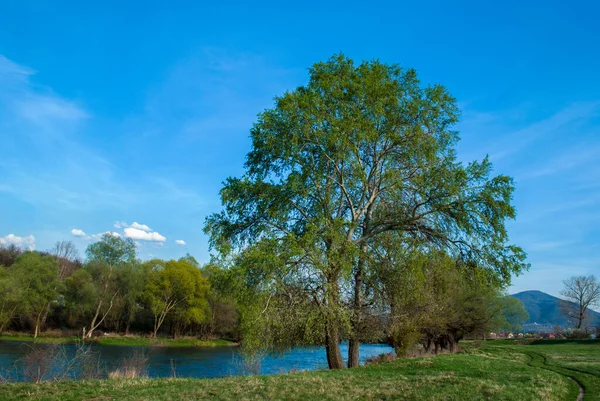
[(40, 339), (493, 370), (121, 341), (579, 360)]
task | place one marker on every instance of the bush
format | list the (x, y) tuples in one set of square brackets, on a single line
[(381, 358), (577, 334)]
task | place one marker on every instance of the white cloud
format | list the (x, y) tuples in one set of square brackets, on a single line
[(142, 227), (22, 242), (142, 235), (96, 237), (76, 232), (136, 225), (180, 242)]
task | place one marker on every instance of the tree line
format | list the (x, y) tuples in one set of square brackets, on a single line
[(111, 291)]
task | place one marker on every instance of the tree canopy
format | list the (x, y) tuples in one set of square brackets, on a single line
[(359, 152)]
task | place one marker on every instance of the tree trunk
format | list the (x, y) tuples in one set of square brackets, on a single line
[(36, 330), (580, 320), (332, 348), (354, 342), (93, 323), (332, 329)]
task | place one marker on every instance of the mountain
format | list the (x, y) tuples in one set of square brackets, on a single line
[(545, 312)]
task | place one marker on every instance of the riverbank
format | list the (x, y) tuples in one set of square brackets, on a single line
[(117, 340), (490, 371)]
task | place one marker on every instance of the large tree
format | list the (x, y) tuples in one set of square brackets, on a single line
[(581, 292), (360, 151)]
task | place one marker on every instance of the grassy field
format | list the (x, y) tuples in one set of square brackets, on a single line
[(489, 371), (120, 341), (579, 360)]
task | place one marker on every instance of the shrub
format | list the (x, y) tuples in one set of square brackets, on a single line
[(381, 358), (577, 334)]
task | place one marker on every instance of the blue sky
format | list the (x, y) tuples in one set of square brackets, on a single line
[(127, 116)]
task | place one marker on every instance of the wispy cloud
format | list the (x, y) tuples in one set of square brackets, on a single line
[(503, 135), (35, 104)]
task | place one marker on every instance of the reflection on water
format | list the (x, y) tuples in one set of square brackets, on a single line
[(187, 362)]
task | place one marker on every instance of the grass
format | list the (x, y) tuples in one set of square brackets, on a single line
[(579, 360), (120, 341), (162, 342), (40, 339), (493, 370)]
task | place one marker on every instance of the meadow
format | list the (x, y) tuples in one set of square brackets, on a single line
[(491, 370)]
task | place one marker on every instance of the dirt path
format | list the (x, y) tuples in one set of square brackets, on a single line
[(540, 361)]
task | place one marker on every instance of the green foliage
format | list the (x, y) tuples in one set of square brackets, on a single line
[(36, 277), (177, 287), (108, 293), (513, 315), (111, 250), (80, 296), (9, 297)]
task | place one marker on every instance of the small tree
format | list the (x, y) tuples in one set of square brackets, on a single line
[(106, 255), (178, 287), (581, 292), (68, 258), (36, 276)]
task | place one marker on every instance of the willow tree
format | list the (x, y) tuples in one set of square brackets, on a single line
[(176, 287), (359, 151)]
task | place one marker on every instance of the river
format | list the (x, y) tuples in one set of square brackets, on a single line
[(198, 362)]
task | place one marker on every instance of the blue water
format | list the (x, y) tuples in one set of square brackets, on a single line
[(188, 362)]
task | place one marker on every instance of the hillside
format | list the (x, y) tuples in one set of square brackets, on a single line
[(544, 310)]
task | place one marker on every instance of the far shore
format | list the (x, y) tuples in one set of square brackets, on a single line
[(119, 340)]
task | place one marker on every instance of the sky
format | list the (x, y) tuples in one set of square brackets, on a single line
[(126, 117)]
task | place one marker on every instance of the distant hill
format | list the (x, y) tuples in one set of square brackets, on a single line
[(545, 312)]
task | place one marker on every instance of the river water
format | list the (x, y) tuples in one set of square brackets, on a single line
[(198, 362)]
